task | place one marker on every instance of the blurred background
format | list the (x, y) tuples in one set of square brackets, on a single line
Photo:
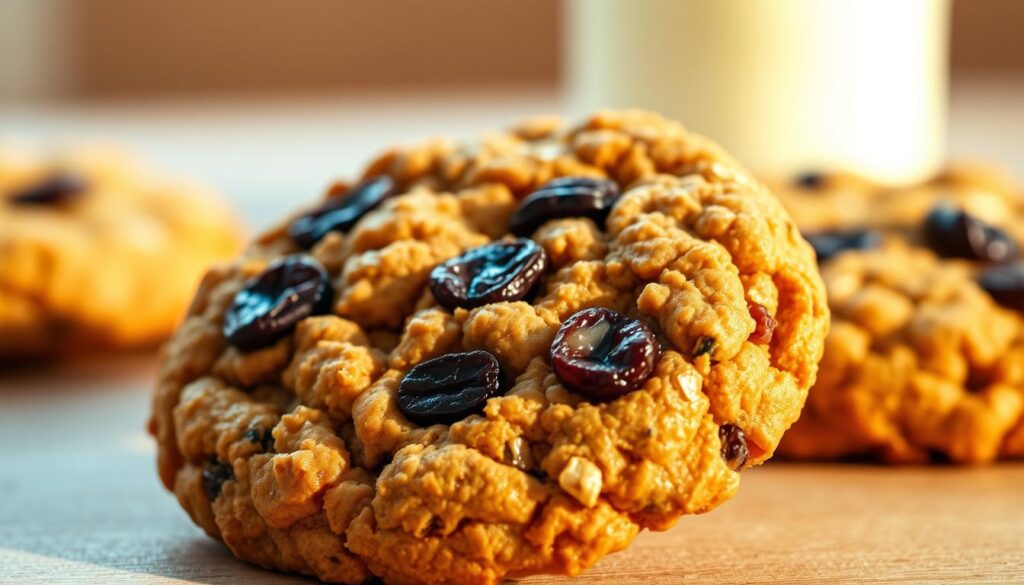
[(269, 100), (73, 50)]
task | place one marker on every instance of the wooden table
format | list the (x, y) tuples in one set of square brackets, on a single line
[(79, 498), (81, 504)]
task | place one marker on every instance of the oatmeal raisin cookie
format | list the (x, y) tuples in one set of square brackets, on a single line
[(96, 252), (392, 384), (923, 361)]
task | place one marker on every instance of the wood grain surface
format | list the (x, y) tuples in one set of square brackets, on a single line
[(80, 503)]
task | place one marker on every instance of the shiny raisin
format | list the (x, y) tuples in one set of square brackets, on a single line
[(214, 477), (271, 304), (954, 233), (500, 271), (565, 197), (54, 190), (1005, 284), (764, 324), (735, 451), (340, 212), (830, 243), (449, 388), (603, 354)]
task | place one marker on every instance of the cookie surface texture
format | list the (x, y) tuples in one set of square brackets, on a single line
[(421, 441)]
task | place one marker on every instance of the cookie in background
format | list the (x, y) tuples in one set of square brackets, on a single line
[(820, 201), (923, 362), (97, 252)]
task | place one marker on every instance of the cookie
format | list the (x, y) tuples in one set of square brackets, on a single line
[(838, 200), (98, 253), (923, 359), (491, 360)]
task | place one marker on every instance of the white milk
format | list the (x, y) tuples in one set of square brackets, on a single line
[(785, 85)]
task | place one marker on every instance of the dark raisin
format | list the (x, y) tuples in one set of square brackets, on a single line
[(764, 324), (1005, 284), (937, 457), (954, 233), (214, 477), (830, 243), (373, 580), (435, 527), (537, 474), (734, 446), (55, 189), (603, 354), (262, 437), (269, 305), (704, 345), (500, 271), (565, 197), (811, 180), (339, 213), (449, 388)]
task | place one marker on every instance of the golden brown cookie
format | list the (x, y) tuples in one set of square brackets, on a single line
[(922, 362), (98, 252), (392, 384), (839, 200)]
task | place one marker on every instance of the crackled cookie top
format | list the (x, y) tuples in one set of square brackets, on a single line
[(98, 252), (493, 360), (923, 359)]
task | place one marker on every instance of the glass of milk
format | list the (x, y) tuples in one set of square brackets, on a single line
[(785, 85)]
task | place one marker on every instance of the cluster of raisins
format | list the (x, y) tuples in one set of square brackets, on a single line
[(598, 353)]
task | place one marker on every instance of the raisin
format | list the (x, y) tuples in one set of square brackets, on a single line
[(735, 451), (1005, 284), (830, 243), (449, 388), (500, 271), (954, 233), (603, 354), (704, 345), (811, 180), (214, 477), (269, 305), (764, 324), (565, 197), (340, 212), (262, 437), (56, 189)]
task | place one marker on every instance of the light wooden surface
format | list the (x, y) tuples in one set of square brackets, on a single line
[(79, 497)]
